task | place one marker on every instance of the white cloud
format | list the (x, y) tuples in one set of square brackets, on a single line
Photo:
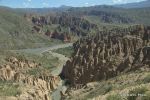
[(45, 4), (29, 0), (25, 4), (86, 3), (125, 1), (119, 1)]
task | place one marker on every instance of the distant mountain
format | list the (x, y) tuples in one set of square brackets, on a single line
[(98, 14), (25, 28), (44, 10), (141, 4), (64, 7), (109, 14)]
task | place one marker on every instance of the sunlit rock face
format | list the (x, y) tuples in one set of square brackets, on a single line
[(35, 87), (107, 55)]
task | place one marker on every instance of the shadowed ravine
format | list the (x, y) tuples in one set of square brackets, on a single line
[(56, 71), (56, 94)]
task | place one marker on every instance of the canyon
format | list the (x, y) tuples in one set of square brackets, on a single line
[(106, 55), (96, 52)]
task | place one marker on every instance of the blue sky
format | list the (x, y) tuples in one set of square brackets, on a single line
[(57, 3)]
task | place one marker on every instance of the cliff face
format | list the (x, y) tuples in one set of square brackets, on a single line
[(108, 55)]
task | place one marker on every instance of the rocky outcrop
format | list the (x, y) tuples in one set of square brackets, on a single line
[(62, 26), (12, 70), (46, 82), (36, 87), (6, 73), (61, 36), (105, 56), (39, 88), (35, 94)]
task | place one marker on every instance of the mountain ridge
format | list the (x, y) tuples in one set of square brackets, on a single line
[(141, 4)]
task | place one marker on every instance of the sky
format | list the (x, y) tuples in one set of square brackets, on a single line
[(58, 3)]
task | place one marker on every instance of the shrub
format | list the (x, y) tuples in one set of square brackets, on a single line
[(114, 97), (136, 93), (107, 88), (33, 71), (147, 79), (65, 51), (147, 96), (9, 89)]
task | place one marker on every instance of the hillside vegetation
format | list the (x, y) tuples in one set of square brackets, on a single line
[(142, 4), (16, 32), (74, 22), (115, 15), (110, 56)]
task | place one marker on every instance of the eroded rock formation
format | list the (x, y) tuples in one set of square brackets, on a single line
[(37, 87), (108, 55), (61, 26), (12, 70)]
